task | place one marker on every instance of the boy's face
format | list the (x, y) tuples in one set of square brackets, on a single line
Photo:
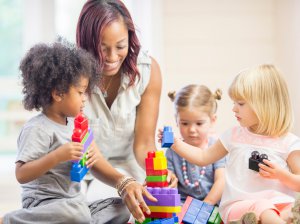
[(195, 126), (73, 101)]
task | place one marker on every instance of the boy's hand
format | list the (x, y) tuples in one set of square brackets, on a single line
[(270, 170), (93, 155), (69, 151)]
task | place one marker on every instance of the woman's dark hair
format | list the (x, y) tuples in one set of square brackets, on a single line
[(55, 67), (94, 17)]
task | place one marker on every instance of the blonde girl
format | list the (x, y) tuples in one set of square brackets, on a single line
[(195, 113), (263, 109)]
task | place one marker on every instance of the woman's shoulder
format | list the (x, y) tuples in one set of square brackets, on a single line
[(144, 58)]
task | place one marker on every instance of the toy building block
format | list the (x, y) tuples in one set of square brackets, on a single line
[(165, 196), (168, 203), (173, 220), (160, 161), (215, 217), (81, 134), (160, 215), (255, 159), (196, 211), (156, 164), (184, 208), (156, 178), (168, 137)]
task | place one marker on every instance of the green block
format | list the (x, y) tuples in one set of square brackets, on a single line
[(156, 178), (218, 219), (213, 216), (146, 221)]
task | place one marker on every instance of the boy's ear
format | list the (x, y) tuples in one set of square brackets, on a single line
[(57, 97)]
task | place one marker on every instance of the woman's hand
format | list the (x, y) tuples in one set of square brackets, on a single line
[(132, 196), (93, 155)]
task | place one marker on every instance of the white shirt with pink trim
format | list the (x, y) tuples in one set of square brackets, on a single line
[(243, 183)]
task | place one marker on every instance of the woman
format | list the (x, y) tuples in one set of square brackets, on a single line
[(123, 108)]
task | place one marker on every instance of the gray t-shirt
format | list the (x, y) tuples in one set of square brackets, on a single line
[(38, 137), (193, 174)]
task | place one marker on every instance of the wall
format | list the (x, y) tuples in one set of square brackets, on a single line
[(209, 42)]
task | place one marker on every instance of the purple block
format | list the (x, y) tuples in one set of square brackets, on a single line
[(165, 196), (88, 141)]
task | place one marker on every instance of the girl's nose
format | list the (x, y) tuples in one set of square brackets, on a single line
[(192, 128)]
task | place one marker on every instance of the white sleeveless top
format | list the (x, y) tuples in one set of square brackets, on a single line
[(114, 128)]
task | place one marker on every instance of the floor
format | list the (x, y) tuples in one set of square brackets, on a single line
[(10, 191)]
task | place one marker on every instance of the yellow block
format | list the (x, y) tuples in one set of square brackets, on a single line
[(167, 209)]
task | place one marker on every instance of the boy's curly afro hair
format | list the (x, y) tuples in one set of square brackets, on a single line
[(55, 67)]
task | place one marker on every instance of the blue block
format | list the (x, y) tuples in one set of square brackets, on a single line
[(78, 172), (168, 137)]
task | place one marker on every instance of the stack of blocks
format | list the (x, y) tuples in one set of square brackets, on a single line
[(168, 200), (198, 212), (84, 135)]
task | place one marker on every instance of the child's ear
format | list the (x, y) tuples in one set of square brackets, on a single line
[(57, 97), (177, 119), (213, 118)]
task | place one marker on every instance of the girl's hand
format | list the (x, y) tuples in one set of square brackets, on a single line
[(160, 135), (93, 155), (270, 170), (133, 198), (172, 179), (69, 151)]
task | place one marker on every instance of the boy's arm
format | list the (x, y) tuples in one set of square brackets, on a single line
[(215, 193), (26, 172), (197, 155)]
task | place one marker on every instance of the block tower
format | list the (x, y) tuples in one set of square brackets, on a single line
[(168, 204), (84, 135)]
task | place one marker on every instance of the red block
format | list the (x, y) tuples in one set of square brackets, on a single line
[(151, 172), (157, 184), (149, 163), (81, 122), (159, 215), (78, 134)]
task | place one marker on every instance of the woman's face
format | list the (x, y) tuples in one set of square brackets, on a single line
[(114, 46)]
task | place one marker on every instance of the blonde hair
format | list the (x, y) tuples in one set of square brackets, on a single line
[(266, 91), (196, 96)]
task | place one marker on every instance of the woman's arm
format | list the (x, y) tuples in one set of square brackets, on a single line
[(197, 155), (215, 193), (132, 192), (147, 115)]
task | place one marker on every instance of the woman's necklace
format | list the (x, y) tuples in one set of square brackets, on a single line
[(186, 178), (104, 89)]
